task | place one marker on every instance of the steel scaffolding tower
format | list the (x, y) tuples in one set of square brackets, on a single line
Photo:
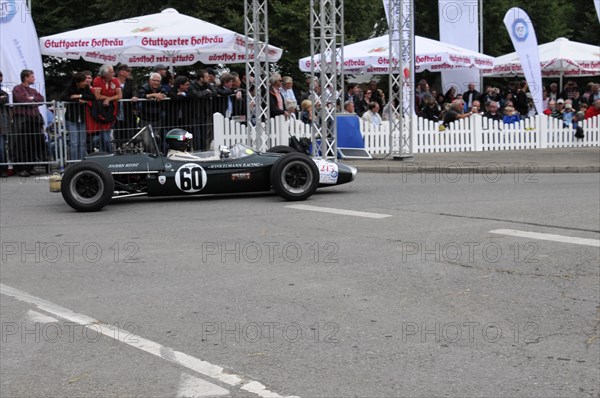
[(401, 77), (256, 26), (327, 37)]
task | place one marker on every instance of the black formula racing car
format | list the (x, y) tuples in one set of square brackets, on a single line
[(139, 168)]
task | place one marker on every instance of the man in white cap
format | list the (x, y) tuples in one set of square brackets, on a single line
[(165, 76), (560, 108)]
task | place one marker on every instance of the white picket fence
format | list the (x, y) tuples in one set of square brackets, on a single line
[(475, 133)]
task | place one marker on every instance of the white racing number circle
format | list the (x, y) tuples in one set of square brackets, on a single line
[(190, 178)]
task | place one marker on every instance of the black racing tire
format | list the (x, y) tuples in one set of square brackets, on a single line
[(282, 149), (295, 176), (87, 186)]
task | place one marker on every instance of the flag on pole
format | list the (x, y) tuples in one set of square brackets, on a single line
[(20, 47), (523, 37), (459, 25)]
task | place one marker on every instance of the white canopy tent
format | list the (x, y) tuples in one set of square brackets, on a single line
[(559, 58), (372, 56), (167, 37)]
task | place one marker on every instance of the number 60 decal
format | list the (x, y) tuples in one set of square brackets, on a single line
[(190, 178)]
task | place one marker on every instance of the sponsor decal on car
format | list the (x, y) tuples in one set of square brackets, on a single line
[(328, 171), (122, 165), (234, 165)]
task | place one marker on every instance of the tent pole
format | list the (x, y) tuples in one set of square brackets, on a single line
[(480, 41), (560, 85)]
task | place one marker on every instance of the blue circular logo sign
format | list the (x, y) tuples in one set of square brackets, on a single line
[(520, 29), (8, 10)]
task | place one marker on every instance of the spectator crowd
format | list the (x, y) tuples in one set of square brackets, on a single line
[(108, 109), (510, 105)]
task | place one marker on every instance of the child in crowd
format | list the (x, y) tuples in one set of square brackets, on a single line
[(510, 115)]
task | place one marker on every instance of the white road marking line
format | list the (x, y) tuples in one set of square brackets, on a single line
[(38, 317), (551, 237), (193, 387), (339, 211), (259, 389), (126, 337)]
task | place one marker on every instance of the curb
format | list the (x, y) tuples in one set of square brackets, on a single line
[(487, 169)]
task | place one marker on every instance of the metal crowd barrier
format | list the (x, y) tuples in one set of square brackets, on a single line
[(29, 136), (56, 142)]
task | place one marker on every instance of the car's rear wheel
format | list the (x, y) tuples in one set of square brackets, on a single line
[(295, 176), (282, 149), (87, 186)]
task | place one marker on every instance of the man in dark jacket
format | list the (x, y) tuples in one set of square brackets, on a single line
[(180, 112), (152, 111), (4, 126), (492, 111), (223, 104), (276, 104), (76, 97), (470, 95), (202, 94), (126, 123), (521, 104)]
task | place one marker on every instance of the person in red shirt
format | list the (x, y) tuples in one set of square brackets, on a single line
[(551, 107), (593, 110), (103, 112)]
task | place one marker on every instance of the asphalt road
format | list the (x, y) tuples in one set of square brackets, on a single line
[(246, 296)]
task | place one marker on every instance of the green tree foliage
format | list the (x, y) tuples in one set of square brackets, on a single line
[(289, 28), (551, 19), (289, 22), (426, 19)]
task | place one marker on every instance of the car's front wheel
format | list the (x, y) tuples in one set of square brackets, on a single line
[(87, 186), (295, 176)]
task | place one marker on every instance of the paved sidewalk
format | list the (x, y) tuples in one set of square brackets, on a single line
[(562, 160)]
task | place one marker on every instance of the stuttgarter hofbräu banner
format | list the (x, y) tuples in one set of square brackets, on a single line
[(372, 56), (167, 37), (523, 37)]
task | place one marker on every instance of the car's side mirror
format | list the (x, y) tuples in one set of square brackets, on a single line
[(224, 151)]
